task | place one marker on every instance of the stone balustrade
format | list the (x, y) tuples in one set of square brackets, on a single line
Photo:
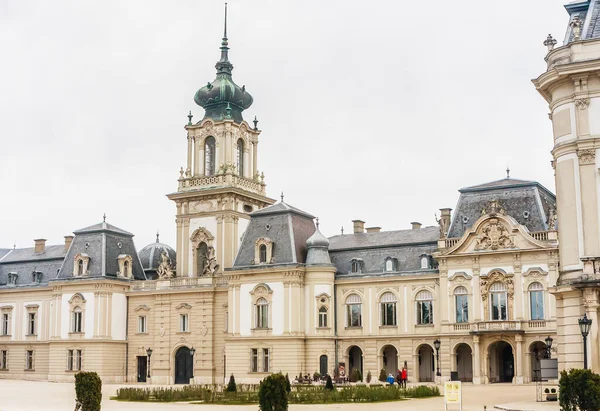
[(221, 180)]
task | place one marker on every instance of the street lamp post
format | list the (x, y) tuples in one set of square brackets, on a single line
[(192, 351), (149, 353), (549, 346), (437, 343), (584, 325)]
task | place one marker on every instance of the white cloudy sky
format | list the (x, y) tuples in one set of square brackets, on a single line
[(373, 110)]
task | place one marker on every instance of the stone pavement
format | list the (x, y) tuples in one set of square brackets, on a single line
[(47, 396)]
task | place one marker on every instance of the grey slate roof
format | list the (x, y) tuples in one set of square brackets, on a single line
[(588, 12), (528, 202), (286, 226), (24, 261), (406, 246), (150, 257), (318, 249)]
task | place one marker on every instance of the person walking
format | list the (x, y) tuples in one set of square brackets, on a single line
[(404, 377), (399, 378)]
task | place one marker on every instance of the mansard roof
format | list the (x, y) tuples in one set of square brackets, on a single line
[(24, 261), (588, 12)]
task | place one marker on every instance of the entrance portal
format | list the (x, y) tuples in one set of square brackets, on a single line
[(142, 368), (501, 362), (464, 363), (355, 359), (183, 366), (426, 363), (390, 360)]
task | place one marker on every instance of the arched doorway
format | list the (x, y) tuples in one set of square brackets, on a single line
[(390, 359), (426, 363), (501, 362), (183, 366), (323, 365), (538, 352), (464, 363), (355, 359)]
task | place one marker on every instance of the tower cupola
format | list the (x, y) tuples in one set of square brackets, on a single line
[(222, 99)]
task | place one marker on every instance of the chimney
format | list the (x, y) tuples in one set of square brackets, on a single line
[(373, 229), (359, 226), (40, 246), (416, 225), (68, 241)]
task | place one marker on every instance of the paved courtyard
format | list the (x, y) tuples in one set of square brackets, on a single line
[(47, 396)]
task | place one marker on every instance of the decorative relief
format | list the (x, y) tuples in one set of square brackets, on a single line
[(143, 307), (582, 103), (203, 206), (494, 236), (552, 219), (486, 283), (587, 156), (493, 208), (184, 306), (165, 269)]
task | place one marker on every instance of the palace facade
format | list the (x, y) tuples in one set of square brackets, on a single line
[(253, 287)]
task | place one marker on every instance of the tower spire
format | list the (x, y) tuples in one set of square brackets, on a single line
[(223, 65), (225, 31)]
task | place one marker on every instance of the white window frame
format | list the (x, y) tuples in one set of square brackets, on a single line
[(537, 288), (184, 323), (29, 360), (142, 324), (31, 323), (261, 319), (323, 317), (254, 360), (461, 293), (266, 360), (388, 298), (353, 301), (498, 292), (424, 297), (77, 320), (5, 324), (3, 359)]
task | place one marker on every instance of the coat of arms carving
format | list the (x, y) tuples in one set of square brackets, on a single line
[(494, 236)]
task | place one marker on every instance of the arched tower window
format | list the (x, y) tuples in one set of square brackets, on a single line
[(209, 156), (240, 158), (201, 258)]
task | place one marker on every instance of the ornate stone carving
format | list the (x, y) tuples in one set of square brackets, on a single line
[(485, 284), (576, 26), (582, 103), (587, 156), (165, 269), (494, 236), (444, 224), (552, 219), (493, 208)]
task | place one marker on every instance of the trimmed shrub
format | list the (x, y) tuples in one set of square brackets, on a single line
[(579, 390), (88, 391), (369, 377), (329, 383), (288, 386), (231, 387), (272, 393), (382, 375), (316, 376)]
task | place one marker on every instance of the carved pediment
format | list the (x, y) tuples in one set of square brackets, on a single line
[(143, 307), (494, 236), (184, 306)]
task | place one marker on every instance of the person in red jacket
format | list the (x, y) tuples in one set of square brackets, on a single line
[(404, 377)]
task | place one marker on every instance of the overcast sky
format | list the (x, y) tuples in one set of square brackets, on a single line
[(377, 111)]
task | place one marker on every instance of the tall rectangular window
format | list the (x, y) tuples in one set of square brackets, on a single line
[(70, 360), (5, 324), (184, 324), (76, 321), (3, 360), (498, 302), (142, 324), (323, 317), (78, 359), (31, 324), (462, 308), (266, 360), (29, 360), (254, 360)]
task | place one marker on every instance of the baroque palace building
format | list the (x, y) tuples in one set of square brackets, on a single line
[(253, 287)]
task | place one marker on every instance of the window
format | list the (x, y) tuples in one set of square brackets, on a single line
[(3, 360), (462, 304), (355, 265), (226, 321), (81, 263), (262, 253), (74, 360), (184, 323), (126, 269), (254, 360), (5, 324), (536, 298), (498, 301), (265, 360), (29, 360), (424, 262), (31, 324), (390, 264), (240, 157), (209, 156), (142, 324), (12, 278), (77, 320), (322, 317), (80, 268), (388, 309), (262, 313), (353, 311), (424, 307)]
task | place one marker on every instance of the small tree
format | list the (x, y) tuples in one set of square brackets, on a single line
[(579, 390), (288, 386), (382, 375), (355, 375), (88, 391), (316, 376), (272, 393), (329, 384), (231, 387), (369, 377)]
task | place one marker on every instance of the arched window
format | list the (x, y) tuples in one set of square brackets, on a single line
[(356, 265), (424, 262), (389, 264), (323, 317), (126, 269), (536, 298), (424, 307), (498, 301), (462, 304), (353, 311), (323, 365), (201, 258), (209, 156), (240, 157), (262, 251), (262, 313), (80, 267), (388, 309)]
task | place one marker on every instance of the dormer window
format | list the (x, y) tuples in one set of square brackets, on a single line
[(125, 265), (425, 262), (12, 278), (80, 268), (391, 264), (81, 264), (263, 251), (356, 266), (36, 277)]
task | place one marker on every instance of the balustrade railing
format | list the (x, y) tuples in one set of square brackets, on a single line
[(451, 242), (497, 326), (540, 235), (189, 183)]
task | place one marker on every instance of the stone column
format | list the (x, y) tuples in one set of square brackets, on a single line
[(186, 247), (254, 156), (416, 363), (590, 300), (476, 361), (519, 359), (179, 246), (191, 147)]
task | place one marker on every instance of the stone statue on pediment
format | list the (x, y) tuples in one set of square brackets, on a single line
[(164, 270)]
